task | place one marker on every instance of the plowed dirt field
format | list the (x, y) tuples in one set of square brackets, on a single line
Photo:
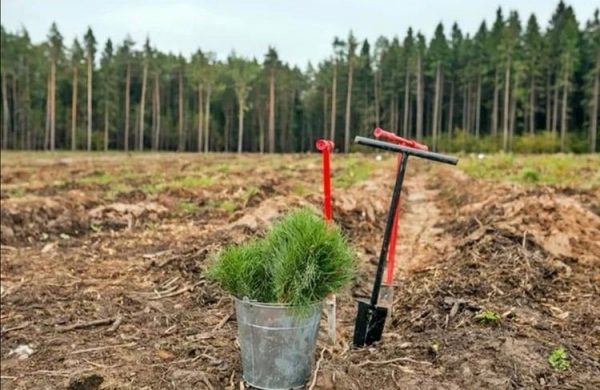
[(103, 260)]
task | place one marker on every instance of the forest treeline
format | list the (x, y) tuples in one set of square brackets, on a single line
[(510, 83)]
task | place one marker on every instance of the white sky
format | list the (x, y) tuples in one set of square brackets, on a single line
[(301, 30)]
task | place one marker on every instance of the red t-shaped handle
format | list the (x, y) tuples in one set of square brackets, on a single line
[(391, 137), (326, 146)]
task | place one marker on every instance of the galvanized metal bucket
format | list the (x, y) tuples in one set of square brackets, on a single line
[(277, 346)]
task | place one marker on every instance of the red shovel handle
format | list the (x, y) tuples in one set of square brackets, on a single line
[(326, 147), (391, 137)]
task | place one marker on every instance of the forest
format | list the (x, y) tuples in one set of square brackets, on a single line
[(516, 84)]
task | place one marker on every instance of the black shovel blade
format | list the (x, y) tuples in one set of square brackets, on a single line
[(369, 323)]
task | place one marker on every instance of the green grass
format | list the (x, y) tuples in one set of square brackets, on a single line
[(227, 206), (249, 192), (18, 192), (223, 168), (579, 171), (186, 207), (299, 262), (559, 359), (186, 182), (100, 178), (190, 182), (488, 317), (353, 170), (299, 189)]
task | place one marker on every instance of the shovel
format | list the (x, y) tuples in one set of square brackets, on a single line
[(371, 317), (325, 147), (386, 294)]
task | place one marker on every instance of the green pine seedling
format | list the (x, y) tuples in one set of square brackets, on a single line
[(488, 317), (559, 359), (311, 259), (299, 262)]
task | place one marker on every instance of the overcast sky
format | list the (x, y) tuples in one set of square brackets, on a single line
[(301, 30)]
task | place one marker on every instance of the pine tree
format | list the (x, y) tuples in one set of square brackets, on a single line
[(90, 51), (509, 47), (591, 59), (437, 55), (272, 64), (146, 59), (421, 48), (338, 46), (124, 54), (55, 48), (351, 45), (496, 37), (76, 57), (242, 73), (569, 60), (4, 64), (108, 75), (532, 48)]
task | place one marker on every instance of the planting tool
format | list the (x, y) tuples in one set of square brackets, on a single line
[(370, 318), (386, 294), (326, 146)]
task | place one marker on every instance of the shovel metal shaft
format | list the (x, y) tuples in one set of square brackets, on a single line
[(388, 229)]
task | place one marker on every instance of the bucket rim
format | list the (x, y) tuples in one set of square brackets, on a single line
[(282, 306)]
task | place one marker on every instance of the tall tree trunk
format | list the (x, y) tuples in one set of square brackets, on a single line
[(405, 123), (563, 115), (451, 110), (377, 95), (53, 105), (207, 121), (153, 124), (157, 129), (106, 124), (5, 112), (495, 121), (127, 86), (143, 107), (513, 111), (555, 111), (27, 110), (396, 114), (228, 120), (548, 102), (180, 140), (48, 109), (325, 114), (348, 106), (261, 127), (136, 125), (272, 112), (419, 99), (241, 103), (532, 103), (505, 115), (594, 110), (89, 101), (469, 108), (333, 103), (200, 118), (392, 119), (464, 110), (478, 105), (74, 111), (15, 106), (436, 106)]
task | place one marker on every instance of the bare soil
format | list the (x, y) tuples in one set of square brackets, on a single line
[(103, 286)]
